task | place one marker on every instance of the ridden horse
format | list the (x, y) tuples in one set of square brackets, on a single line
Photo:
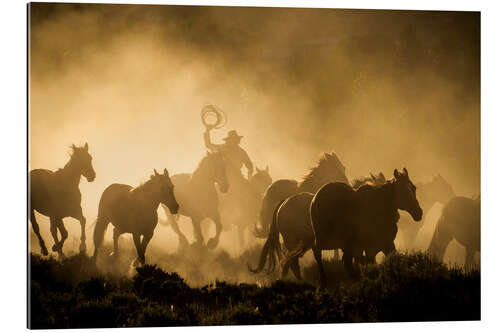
[(133, 210), (56, 195), (329, 169), (242, 208), (460, 220), (197, 197), (291, 219), (438, 190), (362, 219)]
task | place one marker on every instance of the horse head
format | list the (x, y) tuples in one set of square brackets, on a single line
[(331, 169), (441, 189), (218, 173), (165, 190), (261, 179), (83, 161), (405, 194)]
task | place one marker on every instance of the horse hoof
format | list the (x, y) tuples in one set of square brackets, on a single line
[(44, 251), (55, 248), (83, 248), (212, 243)]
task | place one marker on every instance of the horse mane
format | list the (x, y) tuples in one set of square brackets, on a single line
[(71, 155), (325, 160), (369, 180), (141, 185)]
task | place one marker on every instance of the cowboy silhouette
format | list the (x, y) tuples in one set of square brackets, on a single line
[(234, 155)]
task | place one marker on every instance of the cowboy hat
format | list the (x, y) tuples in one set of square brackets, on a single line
[(232, 135)]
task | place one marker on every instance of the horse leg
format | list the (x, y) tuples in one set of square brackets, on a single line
[(79, 216), (55, 224), (319, 260), (36, 229), (294, 265), (183, 242), (198, 236), (116, 235), (144, 244), (286, 266), (63, 232), (212, 243), (138, 247), (441, 238)]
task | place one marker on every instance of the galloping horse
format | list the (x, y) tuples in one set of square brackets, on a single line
[(438, 190), (242, 209), (198, 198), (56, 195), (460, 220), (357, 220), (292, 220), (329, 169), (133, 210)]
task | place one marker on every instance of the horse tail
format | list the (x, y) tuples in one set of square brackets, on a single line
[(272, 246), (440, 239), (267, 208), (101, 224)]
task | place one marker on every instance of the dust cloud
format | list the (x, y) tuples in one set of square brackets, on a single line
[(382, 89)]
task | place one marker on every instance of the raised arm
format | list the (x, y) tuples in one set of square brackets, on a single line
[(208, 143)]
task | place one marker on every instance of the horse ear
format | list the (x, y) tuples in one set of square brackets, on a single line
[(396, 173), (156, 173), (165, 172), (267, 168), (86, 147)]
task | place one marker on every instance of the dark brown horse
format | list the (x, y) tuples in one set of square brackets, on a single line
[(363, 219), (291, 219), (460, 220), (56, 195), (198, 198), (329, 169), (438, 190), (133, 210)]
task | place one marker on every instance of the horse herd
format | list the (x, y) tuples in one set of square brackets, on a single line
[(324, 211)]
